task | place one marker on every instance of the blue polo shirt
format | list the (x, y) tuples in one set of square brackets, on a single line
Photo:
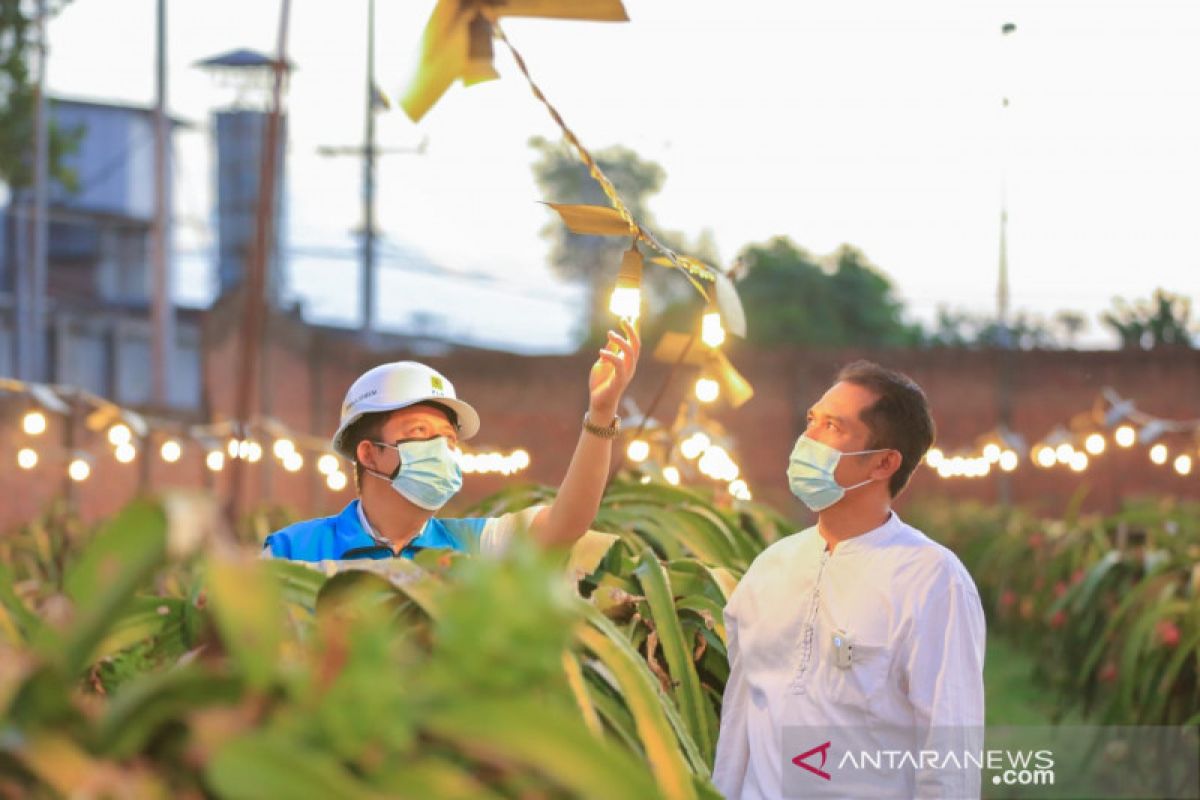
[(342, 537)]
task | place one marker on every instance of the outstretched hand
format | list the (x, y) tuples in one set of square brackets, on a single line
[(612, 372)]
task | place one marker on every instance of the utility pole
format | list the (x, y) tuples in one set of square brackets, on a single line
[(369, 154), (368, 239), (36, 341), (1007, 345), (162, 336)]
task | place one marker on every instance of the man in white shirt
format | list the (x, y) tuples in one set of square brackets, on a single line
[(857, 634)]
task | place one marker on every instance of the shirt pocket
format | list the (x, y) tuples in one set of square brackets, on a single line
[(856, 685)]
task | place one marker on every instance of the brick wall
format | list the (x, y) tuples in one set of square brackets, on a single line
[(537, 403)]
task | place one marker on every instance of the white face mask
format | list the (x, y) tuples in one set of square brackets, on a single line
[(810, 473), (429, 473)]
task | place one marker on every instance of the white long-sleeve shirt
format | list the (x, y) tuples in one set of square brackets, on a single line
[(912, 615)]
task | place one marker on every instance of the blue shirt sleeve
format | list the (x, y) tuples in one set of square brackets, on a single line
[(464, 533)]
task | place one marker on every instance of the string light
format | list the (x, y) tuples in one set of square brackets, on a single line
[(707, 390), (519, 459), (234, 448), (170, 451), (282, 448), (78, 470), (1158, 454), (1064, 453), (740, 490), (27, 458), (694, 445), (1183, 464), (119, 434), (34, 423), (671, 475), (1094, 444), (1079, 461), (215, 460), (125, 452), (336, 480), (1009, 460), (626, 300), (327, 464), (992, 452), (711, 331), (934, 457), (493, 462), (638, 450), (293, 461), (1125, 436), (1046, 457)]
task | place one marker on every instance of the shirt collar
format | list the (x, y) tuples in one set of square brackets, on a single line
[(420, 540), (870, 540)]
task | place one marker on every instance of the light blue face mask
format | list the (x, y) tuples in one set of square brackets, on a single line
[(429, 473), (810, 473)]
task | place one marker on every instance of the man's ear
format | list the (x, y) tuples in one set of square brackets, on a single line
[(889, 465), (365, 454)]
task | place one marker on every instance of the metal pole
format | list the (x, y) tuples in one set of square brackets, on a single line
[(162, 338), (368, 242), (37, 340), (1007, 345), (254, 287)]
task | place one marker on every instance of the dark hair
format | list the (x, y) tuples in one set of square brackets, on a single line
[(369, 427), (898, 420)]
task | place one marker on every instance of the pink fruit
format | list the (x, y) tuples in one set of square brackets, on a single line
[(1168, 632)]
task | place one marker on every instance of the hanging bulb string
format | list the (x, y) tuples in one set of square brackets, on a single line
[(689, 267)]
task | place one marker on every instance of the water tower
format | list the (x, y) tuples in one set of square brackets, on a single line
[(240, 130)]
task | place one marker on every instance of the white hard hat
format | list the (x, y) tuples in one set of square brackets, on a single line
[(401, 384)]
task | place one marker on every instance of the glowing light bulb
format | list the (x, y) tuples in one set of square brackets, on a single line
[(934, 457), (235, 448), (27, 458), (1094, 444), (1158, 454), (215, 460), (711, 331), (638, 450), (694, 445), (1125, 436), (327, 464), (1064, 452), (282, 448), (125, 453), (739, 489), (34, 423), (1046, 457), (336, 480), (1008, 461), (1183, 464), (626, 300), (1079, 461), (671, 475), (520, 460), (707, 390), (293, 461), (991, 452), (170, 451), (78, 470), (119, 434), (251, 451)]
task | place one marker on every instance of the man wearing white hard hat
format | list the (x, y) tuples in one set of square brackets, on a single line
[(401, 426)]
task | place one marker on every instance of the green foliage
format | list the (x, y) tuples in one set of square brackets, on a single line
[(1162, 321), (792, 297), (17, 97), (1110, 607), (151, 673)]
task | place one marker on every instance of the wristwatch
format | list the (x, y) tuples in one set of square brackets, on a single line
[(610, 432)]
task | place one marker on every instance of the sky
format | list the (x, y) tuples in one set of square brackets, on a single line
[(868, 122)]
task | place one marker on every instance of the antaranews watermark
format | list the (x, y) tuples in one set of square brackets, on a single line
[(1039, 763)]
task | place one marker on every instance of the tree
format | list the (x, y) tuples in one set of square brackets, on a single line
[(17, 98), (593, 260), (1162, 321), (792, 297)]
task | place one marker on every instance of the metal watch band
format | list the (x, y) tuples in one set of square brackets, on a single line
[(610, 432)]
